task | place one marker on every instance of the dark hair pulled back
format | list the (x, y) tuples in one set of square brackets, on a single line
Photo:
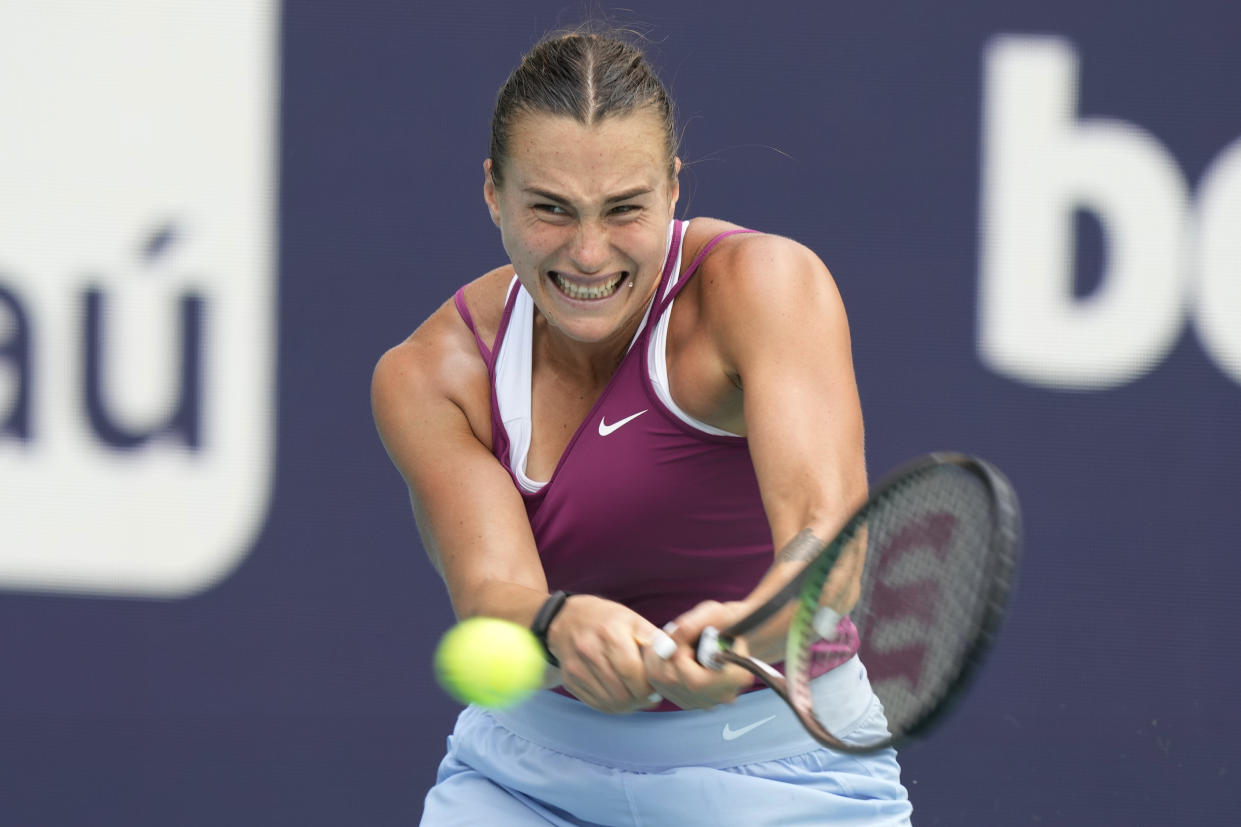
[(585, 76)]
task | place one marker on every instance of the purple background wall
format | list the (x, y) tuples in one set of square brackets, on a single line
[(298, 690)]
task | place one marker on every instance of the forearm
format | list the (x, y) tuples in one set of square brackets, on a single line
[(514, 601), (840, 592), (767, 642), (487, 569)]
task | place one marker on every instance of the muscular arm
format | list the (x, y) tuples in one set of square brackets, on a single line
[(470, 517), (431, 401), (782, 336)]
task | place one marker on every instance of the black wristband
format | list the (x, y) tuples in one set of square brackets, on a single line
[(546, 614)]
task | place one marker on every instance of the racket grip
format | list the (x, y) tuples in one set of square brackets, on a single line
[(709, 648)]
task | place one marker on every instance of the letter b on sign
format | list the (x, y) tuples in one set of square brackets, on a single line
[(1165, 259)]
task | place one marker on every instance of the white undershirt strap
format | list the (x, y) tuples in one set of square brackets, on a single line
[(514, 373), (657, 358)]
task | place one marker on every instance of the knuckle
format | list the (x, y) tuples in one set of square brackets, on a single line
[(574, 672)]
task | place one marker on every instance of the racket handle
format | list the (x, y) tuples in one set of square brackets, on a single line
[(709, 648)]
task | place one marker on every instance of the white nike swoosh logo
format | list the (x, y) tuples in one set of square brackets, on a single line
[(605, 428), (730, 733)]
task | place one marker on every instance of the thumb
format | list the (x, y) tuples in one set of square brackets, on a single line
[(687, 628), (658, 640)]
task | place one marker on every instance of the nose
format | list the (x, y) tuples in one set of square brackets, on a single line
[(589, 247)]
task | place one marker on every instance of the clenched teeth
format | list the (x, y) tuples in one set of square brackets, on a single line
[(577, 291)]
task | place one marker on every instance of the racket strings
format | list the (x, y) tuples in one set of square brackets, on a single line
[(926, 589), (927, 593)]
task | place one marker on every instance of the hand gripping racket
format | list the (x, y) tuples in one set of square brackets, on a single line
[(941, 537)]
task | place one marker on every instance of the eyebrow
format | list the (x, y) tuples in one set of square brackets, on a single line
[(621, 196)]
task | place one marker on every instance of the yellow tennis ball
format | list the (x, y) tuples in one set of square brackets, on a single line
[(489, 662)]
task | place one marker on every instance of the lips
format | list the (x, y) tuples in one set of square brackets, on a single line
[(593, 291)]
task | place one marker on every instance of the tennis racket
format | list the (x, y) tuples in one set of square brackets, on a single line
[(941, 537)]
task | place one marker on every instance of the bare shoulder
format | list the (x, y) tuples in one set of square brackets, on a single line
[(440, 363), (701, 231), (760, 294), (760, 273)]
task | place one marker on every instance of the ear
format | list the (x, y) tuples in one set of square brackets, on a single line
[(489, 193), (676, 184)]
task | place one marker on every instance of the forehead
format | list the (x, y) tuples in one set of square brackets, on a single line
[(559, 153)]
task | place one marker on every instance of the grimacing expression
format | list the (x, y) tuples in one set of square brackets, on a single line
[(584, 214)]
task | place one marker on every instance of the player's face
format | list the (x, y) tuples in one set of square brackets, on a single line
[(584, 212)]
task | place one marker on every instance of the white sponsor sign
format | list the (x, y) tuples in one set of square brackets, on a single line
[(137, 292), (1173, 257)]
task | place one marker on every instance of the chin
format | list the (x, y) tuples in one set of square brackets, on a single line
[(588, 331)]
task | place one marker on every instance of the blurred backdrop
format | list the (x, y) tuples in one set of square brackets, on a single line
[(215, 216)]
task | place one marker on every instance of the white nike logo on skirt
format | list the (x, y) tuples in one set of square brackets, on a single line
[(730, 733)]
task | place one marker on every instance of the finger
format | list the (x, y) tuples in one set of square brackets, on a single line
[(662, 644), (604, 702), (655, 648), (657, 642), (611, 686), (618, 666), (687, 628), (663, 673), (586, 672), (627, 663), (585, 694), (681, 680), (584, 690), (713, 686)]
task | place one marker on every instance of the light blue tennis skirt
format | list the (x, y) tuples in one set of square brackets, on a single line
[(554, 760)]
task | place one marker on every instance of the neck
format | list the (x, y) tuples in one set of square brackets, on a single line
[(590, 362)]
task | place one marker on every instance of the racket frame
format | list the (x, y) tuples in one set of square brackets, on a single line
[(1004, 545)]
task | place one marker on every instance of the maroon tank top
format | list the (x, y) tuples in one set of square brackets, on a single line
[(644, 508)]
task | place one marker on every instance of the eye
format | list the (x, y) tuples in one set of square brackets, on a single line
[(550, 209), (625, 209)]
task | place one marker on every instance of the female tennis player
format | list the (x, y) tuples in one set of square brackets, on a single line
[(637, 423)]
